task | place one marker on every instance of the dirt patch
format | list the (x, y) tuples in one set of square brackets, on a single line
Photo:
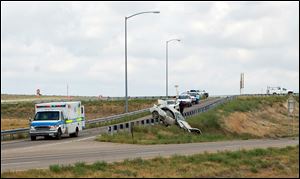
[(13, 123), (270, 121)]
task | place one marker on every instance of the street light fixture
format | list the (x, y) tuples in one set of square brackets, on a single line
[(126, 91), (167, 42)]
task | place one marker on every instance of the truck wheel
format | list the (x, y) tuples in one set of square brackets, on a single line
[(58, 135), (33, 137), (75, 134)]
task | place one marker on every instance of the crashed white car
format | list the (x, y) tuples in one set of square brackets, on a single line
[(170, 102), (169, 116)]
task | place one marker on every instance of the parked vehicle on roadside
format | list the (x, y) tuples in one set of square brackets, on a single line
[(57, 119), (186, 99), (278, 90), (203, 94), (195, 97)]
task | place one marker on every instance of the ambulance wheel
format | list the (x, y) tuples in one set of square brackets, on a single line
[(58, 135), (75, 134), (33, 137)]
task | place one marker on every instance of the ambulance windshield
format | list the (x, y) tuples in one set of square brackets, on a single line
[(46, 115)]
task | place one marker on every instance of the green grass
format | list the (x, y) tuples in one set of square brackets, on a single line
[(271, 162), (209, 123), (162, 135)]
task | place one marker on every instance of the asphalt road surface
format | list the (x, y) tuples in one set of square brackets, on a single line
[(88, 150)]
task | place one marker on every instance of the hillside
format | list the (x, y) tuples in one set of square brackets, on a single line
[(243, 118)]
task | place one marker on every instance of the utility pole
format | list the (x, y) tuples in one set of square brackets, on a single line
[(241, 83), (67, 90)]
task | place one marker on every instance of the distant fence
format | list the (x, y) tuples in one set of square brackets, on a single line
[(81, 98)]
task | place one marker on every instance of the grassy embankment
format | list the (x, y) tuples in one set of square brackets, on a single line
[(246, 117), (258, 163), (17, 115)]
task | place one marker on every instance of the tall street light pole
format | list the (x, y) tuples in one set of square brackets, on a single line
[(167, 42), (126, 89)]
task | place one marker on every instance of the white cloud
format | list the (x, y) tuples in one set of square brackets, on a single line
[(48, 44)]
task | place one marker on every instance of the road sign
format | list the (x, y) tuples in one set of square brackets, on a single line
[(291, 105)]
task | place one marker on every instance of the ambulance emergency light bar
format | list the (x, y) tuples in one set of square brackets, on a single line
[(51, 106)]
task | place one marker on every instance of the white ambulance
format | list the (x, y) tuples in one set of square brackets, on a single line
[(57, 119)]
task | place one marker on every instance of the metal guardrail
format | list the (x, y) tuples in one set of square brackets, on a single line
[(127, 126), (13, 132), (114, 117), (209, 106)]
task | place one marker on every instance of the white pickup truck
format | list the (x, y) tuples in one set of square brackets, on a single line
[(278, 90)]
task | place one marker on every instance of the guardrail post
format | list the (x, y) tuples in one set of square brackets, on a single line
[(115, 128), (152, 121)]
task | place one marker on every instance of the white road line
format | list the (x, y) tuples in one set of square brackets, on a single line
[(141, 153), (86, 138)]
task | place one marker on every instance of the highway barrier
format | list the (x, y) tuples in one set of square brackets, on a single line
[(127, 126)]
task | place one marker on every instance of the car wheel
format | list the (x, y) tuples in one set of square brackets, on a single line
[(155, 115)]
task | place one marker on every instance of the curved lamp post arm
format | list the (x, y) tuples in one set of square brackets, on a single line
[(142, 13), (173, 40)]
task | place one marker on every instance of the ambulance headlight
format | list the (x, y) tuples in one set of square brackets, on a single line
[(53, 127), (32, 128)]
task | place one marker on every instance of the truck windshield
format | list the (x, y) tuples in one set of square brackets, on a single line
[(183, 97), (47, 115)]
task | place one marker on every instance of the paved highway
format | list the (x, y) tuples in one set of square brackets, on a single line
[(88, 150)]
